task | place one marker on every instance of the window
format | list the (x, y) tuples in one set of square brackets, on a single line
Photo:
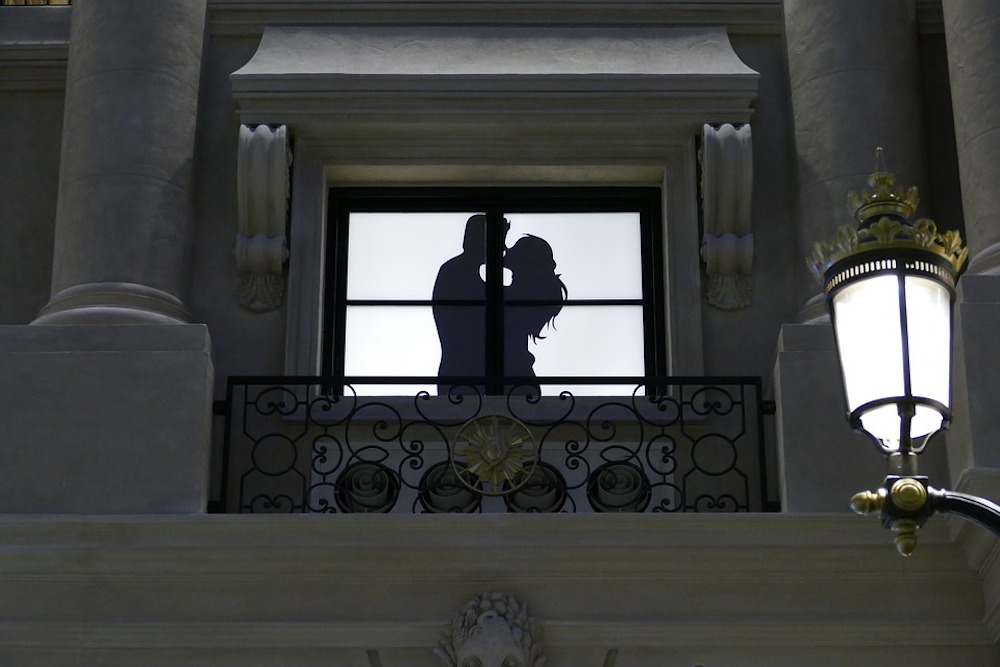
[(493, 289)]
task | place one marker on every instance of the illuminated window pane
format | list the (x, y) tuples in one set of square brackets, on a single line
[(397, 255), (597, 254), (583, 341), (590, 340), (418, 302), (391, 340)]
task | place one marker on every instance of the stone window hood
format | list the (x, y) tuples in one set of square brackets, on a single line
[(632, 81), (471, 105)]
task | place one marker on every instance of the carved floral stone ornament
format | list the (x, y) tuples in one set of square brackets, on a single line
[(726, 188), (884, 213), (262, 189), (492, 630)]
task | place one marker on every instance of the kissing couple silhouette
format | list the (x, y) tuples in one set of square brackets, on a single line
[(531, 301)]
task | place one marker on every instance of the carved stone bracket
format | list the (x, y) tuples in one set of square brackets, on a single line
[(263, 163), (726, 186), (492, 630)]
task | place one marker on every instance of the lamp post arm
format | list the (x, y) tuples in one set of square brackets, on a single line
[(906, 502), (978, 510)]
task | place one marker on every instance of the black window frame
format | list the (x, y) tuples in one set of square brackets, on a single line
[(494, 202)]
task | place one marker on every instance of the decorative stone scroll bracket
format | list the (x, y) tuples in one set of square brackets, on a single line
[(726, 187), (262, 171), (492, 630)]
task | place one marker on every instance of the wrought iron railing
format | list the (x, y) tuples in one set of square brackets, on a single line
[(308, 444)]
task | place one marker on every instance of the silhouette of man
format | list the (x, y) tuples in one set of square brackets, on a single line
[(462, 326)]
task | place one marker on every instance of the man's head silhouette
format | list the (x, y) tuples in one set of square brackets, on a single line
[(474, 243)]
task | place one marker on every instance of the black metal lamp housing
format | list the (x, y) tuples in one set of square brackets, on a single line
[(890, 291)]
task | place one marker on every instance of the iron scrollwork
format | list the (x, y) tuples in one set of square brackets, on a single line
[(674, 445)]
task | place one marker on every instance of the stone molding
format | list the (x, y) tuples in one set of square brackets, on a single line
[(589, 636), (334, 584), (726, 188), (472, 84), (739, 17), (262, 190), (112, 303), (34, 48), (930, 18), (986, 261), (237, 17)]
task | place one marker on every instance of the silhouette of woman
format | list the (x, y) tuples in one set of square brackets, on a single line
[(535, 296)]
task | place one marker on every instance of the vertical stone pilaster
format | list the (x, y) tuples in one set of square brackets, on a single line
[(124, 215), (854, 75)]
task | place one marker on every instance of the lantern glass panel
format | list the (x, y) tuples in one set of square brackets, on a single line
[(869, 340), (883, 422), (928, 314)]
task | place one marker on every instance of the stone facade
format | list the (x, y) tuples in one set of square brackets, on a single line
[(124, 308)]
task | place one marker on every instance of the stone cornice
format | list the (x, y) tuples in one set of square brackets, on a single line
[(268, 531), (236, 547), (406, 83), (349, 583), (930, 18), (34, 46), (584, 634), (240, 17)]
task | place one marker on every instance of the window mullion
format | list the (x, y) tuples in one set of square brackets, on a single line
[(657, 355), (496, 232), (336, 309)]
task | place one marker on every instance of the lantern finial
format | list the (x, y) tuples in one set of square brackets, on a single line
[(884, 198)]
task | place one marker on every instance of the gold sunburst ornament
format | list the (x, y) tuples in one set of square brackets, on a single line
[(494, 455)]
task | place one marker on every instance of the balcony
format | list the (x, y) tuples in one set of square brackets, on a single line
[(318, 445)]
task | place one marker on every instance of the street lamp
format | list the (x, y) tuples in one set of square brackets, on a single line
[(890, 291)]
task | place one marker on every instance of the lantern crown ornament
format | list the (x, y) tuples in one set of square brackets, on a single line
[(883, 214), (890, 288)]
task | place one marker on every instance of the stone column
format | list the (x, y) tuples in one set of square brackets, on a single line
[(854, 75), (972, 31), (115, 417), (854, 80), (123, 219)]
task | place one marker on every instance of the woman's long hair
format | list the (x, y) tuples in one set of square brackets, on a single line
[(534, 278)]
